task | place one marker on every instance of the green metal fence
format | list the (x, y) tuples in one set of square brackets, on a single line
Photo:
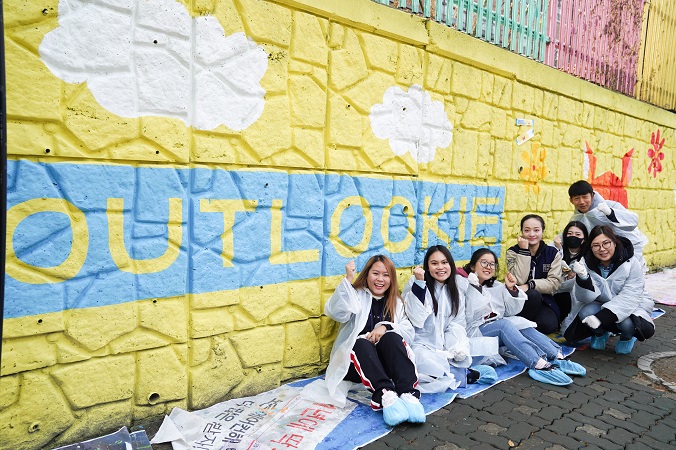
[(517, 25)]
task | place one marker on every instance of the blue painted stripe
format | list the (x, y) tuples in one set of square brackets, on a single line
[(309, 200)]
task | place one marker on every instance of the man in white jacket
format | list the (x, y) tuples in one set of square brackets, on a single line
[(592, 210)]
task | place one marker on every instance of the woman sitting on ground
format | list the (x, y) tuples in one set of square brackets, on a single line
[(491, 309), (371, 344), (610, 286), (435, 305)]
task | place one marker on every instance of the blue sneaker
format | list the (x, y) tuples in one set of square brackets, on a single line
[(550, 375), (570, 367), (599, 342), (416, 412), (394, 409), (624, 347)]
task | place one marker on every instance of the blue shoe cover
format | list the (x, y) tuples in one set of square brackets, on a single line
[(570, 367), (487, 374), (550, 376), (416, 412), (396, 413), (599, 342), (624, 347)]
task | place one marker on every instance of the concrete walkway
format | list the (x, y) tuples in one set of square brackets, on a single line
[(614, 407)]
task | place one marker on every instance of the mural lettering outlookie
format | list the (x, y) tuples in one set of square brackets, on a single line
[(655, 154), (151, 58), (609, 185), (137, 234)]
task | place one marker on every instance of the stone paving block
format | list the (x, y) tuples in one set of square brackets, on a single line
[(599, 441), (590, 409), (620, 436), (664, 403), (579, 399), (532, 443), (645, 408), (644, 419), (495, 441), (563, 426), (424, 442), (615, 396), (586, 420), (551, 412), (559, 439), (647, 441), (410, 431), (538, 422), (488, 416), (643, 397), (448, 446), (662, 432), (519, 431), (394, 440), (453, 438), (625, 424), (616, 406)]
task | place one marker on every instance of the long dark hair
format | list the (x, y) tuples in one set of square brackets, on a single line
[(566, 252), (450, 284), (474, 260), (392, 294)]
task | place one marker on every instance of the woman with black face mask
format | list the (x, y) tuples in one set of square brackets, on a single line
[(572, 245)]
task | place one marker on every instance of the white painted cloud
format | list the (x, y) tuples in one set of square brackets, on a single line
[(150, 58), (412, 122)]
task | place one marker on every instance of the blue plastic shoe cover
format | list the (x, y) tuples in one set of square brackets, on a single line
[(570, 367), (487, 374), (550, 376), (416, 412), (624, 347), (396, 413), (599, 342)]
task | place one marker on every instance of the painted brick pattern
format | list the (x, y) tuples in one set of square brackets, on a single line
[(197, 261)]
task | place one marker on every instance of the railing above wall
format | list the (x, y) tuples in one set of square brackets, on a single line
[(597, 40), (601, 41), (517, 25)]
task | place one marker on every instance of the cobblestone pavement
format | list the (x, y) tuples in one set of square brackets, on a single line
[(614, 407)]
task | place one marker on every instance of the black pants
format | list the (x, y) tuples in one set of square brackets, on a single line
[(578, 331), (385, 365), (537, 310), (564, 302)]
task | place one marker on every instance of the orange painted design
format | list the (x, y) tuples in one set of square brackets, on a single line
[(534, 167), (609, 185)]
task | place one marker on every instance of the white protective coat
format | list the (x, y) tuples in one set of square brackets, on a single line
[(351, 308), (623, 292), (498, 300), (626, 226), (437, 335)]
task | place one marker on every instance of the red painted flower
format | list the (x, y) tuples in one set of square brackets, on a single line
[(655, 154)]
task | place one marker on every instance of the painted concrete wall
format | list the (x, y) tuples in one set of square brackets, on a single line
[(187, 181)]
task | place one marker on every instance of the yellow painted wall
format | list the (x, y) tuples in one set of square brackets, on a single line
[(74, 370)]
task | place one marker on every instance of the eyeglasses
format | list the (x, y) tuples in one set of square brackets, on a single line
[(487, 265), (605, 244)]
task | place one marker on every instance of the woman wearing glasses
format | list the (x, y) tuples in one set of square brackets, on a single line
[(610, 285), (491, 311)]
